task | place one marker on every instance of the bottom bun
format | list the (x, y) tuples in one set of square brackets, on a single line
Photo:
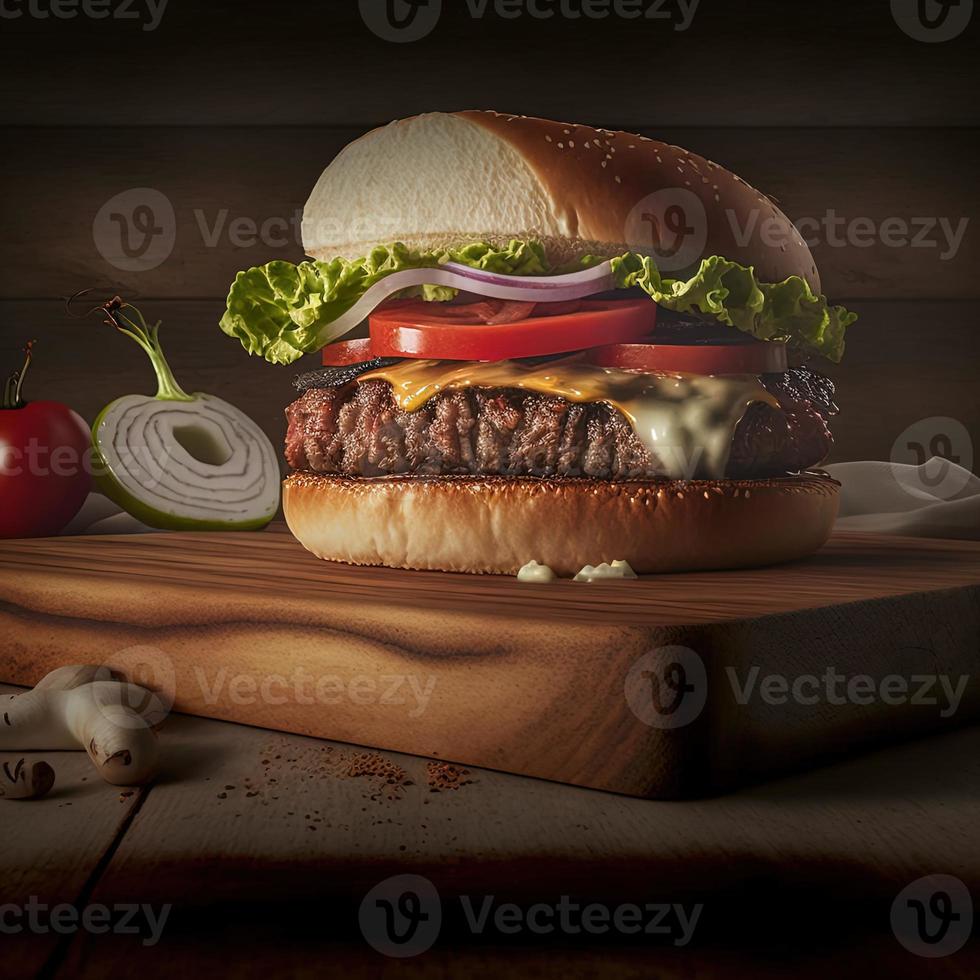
[(497, 524)]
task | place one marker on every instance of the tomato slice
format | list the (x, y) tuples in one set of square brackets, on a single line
[(409, 329), (345, 352), (735, 357), (486, 311)]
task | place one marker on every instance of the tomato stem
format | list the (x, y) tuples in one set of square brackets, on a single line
[(14, 386), (149, 339)]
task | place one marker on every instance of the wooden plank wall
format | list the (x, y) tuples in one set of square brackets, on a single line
[(228, 112)]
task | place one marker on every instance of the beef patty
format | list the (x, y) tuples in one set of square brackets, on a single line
[(356, 429)]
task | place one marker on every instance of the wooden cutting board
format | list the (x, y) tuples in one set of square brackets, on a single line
[(669, 686)]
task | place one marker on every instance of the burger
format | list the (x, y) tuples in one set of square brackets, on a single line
[(544, 341)]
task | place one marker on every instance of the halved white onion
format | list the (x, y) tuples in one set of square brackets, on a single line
[(188, 463)]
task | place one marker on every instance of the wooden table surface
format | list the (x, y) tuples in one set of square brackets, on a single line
[(264, 844)]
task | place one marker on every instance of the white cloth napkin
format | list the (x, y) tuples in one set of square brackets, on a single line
[(935, 500)]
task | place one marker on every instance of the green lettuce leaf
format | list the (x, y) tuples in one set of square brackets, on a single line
[(788, 310), (282, 311)]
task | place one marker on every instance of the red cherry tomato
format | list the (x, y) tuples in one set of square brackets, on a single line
[(45, 473), (737, 357), (412, 330)]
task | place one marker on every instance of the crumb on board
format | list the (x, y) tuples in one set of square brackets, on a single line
[(444, 776)]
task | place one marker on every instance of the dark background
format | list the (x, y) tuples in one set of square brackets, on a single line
[(233, 108)]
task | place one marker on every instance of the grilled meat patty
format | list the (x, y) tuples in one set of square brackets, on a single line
[(356, 429)]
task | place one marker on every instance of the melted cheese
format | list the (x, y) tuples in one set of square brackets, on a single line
[(533, 572), (686, 421), (618, 570)]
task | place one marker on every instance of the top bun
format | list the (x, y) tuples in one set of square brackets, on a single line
[(445, 179)]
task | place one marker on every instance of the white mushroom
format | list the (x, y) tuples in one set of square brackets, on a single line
[(25, 782), (83, 707)]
